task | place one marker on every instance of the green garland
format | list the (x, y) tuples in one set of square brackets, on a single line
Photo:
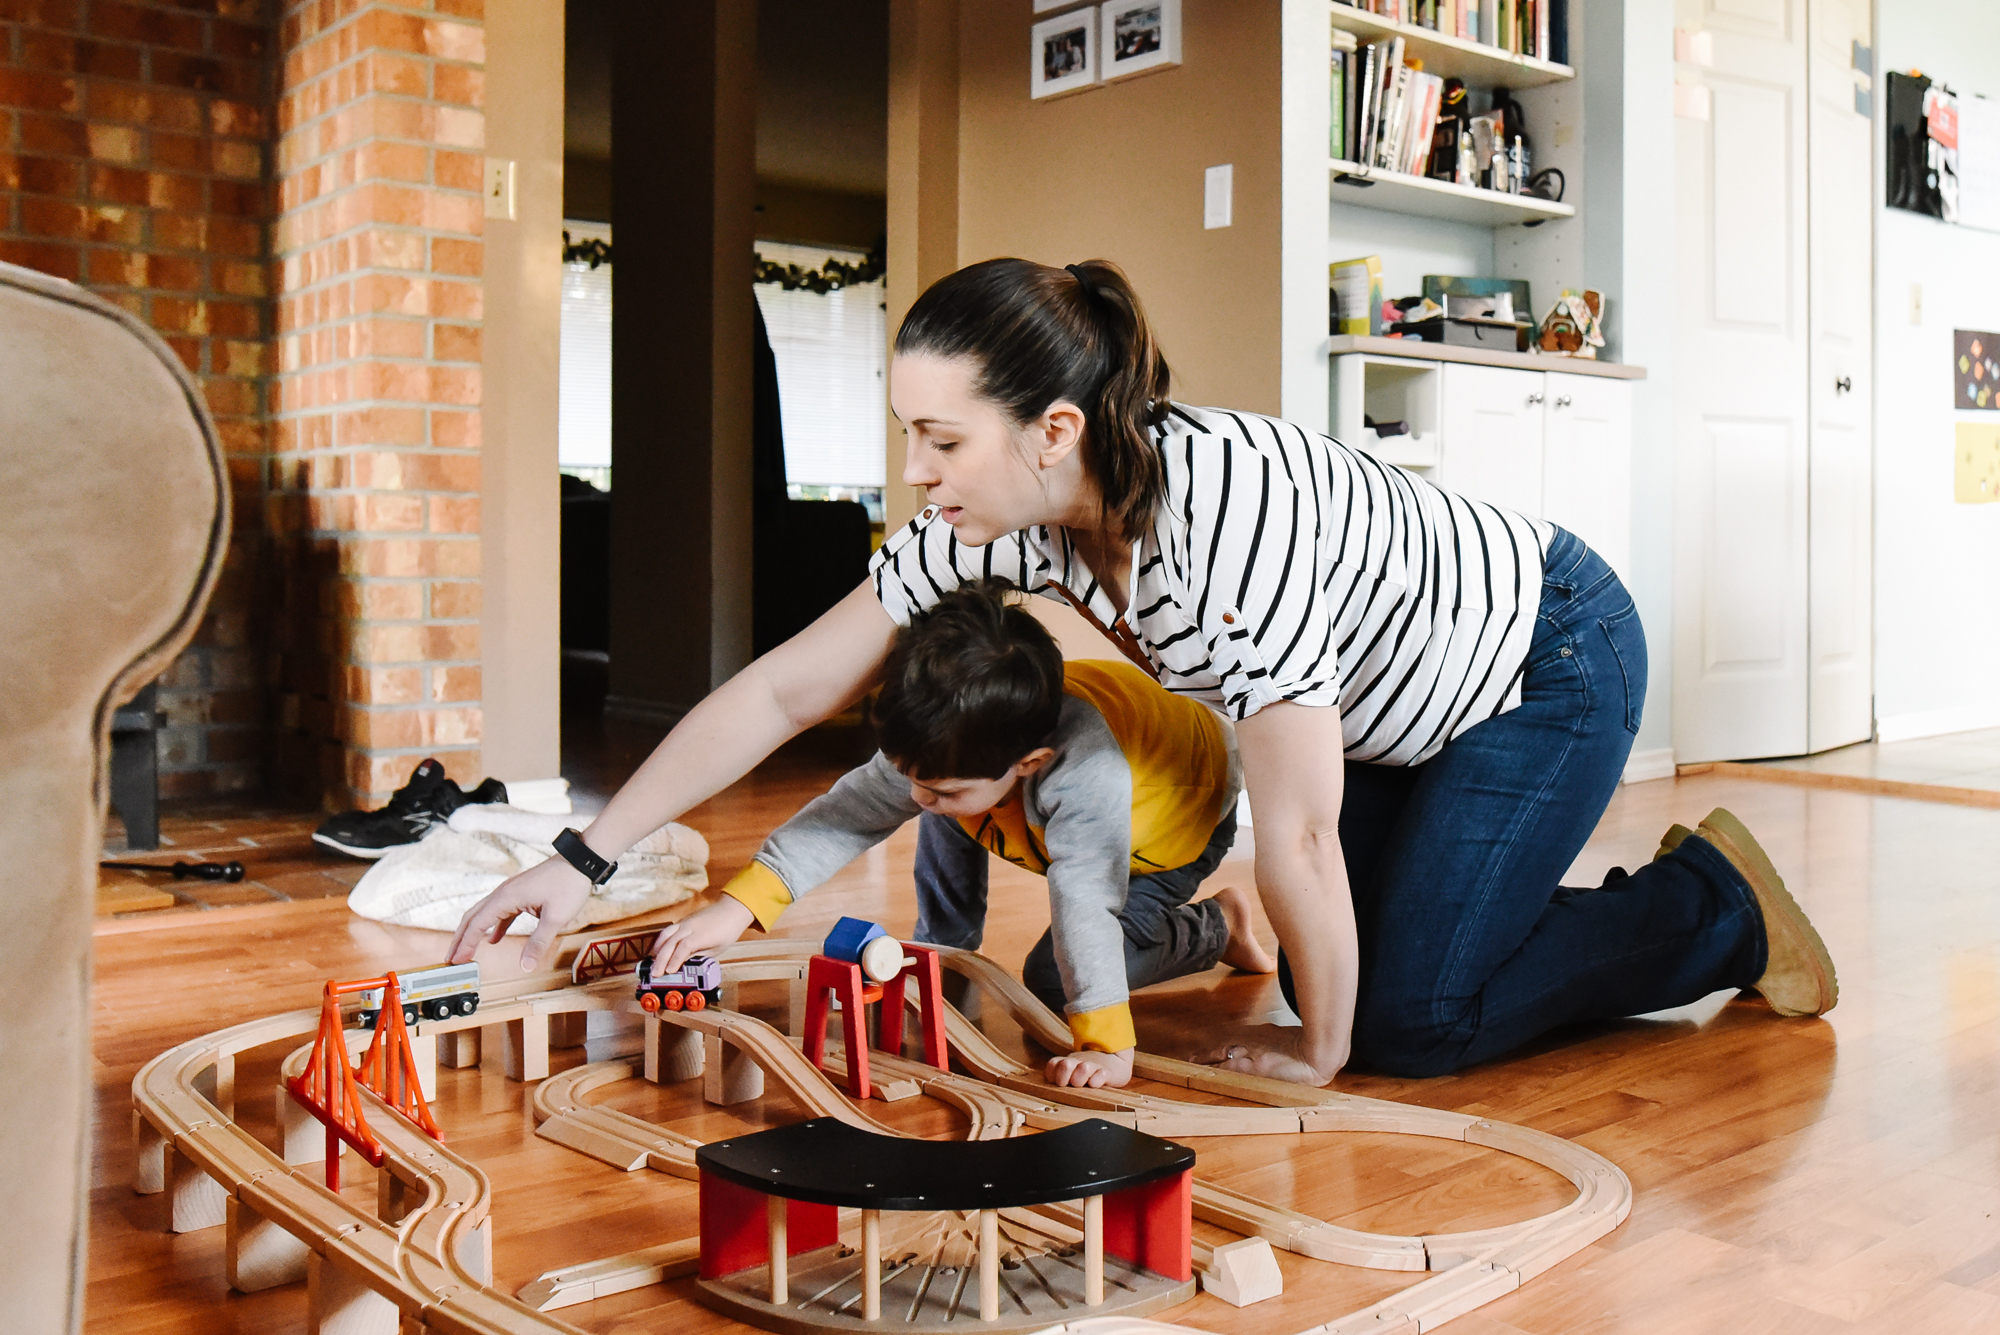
[(829, 277)]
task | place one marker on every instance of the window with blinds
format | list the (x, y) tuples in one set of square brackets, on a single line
[(583, 442), (830, 351)]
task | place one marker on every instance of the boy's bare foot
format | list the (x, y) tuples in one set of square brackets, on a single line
[(1242, 953)]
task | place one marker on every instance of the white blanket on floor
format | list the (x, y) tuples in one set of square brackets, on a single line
[(432, 882)]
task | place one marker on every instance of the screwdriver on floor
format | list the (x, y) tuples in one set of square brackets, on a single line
[(201, 871)]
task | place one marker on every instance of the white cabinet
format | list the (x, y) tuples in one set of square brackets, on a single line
[(1553, 444)]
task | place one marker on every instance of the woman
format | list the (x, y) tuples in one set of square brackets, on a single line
[(1434, 698)]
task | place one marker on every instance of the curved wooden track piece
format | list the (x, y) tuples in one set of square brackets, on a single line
[(425, 1264)]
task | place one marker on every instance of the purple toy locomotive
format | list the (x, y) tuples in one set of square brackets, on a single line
[(695, 986)]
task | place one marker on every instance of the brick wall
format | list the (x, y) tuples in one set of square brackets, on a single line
[(133, 160), (374, 505)]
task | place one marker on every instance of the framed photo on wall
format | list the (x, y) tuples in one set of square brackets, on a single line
[(1064, 54), (1140, 35)]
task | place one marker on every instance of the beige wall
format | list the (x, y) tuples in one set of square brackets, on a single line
[(522, 518), (1115, 173)]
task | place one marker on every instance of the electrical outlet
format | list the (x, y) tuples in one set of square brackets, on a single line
[(1916, 303), (500, 188), (1977, 475)]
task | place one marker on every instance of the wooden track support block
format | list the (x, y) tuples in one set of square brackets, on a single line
[(394, 1197), (338, 1303), (525, 1052), (217, 1083), (569, 1029), (729, 1075), (1244, 1272), (257, 1254), (149, 1157), (673, 1054), (197, 1199), (458, 1050), (424, 1056), (302, 1138)]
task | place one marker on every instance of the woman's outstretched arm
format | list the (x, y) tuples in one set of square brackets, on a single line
[(1294, 770), (814, 675)]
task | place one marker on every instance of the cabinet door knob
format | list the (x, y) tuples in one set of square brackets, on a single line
[(1844, 385), (1534, 399), (1562, 400)]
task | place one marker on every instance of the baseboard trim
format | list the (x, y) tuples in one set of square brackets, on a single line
[(1936, 722), (1645, 766)]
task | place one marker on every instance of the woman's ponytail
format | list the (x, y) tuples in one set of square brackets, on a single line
[(1040, 334)]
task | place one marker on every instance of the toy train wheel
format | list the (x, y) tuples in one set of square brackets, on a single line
[(673, 1001), (649, 1002), (696, 1001), (409, 1015), (467, 1005)]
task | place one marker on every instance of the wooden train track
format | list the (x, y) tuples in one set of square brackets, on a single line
[(422, 1259)]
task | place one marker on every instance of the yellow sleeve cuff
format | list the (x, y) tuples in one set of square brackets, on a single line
[(1108, 1029), (762, 891)]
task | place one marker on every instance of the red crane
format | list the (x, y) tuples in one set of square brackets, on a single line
[(326, 1088)]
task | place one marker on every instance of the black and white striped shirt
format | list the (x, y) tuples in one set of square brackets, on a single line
[(1284, 566)]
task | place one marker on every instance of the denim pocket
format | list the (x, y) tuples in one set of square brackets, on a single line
[(1627, 639)]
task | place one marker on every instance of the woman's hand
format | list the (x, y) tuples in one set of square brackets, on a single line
[(1272, 1052), (1096, 1070), (553, 891), (700, 933)]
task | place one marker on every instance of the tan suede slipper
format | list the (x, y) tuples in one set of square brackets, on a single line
[(1798, 973), (1671, 840)]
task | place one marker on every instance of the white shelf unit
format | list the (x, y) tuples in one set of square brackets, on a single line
[(1478, 64), (1398, 192)]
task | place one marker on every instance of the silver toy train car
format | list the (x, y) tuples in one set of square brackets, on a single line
[(429, 994), (696, 985)]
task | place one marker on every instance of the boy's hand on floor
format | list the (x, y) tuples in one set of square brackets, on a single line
[(702, 932), (1097, 1070)]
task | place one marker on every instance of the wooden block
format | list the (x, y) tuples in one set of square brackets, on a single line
[(673, 1054), (458, 1050), (302, 1135), (131, 897), (729, 1075), (198, 1199), (394, 1197), (594, 1141), (475, 1251), (1244, 1272), (257, 1254), (337, 1303), (795, 1007), (217, 1083), (424, 1053), (149, 1157), (525, 1055), (569, 1029)]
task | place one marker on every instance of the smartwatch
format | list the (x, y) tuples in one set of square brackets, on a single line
[(570, 847)]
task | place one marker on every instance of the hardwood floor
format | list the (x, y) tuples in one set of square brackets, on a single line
[(1796, 1176)]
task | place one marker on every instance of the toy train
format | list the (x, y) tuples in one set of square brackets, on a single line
[(429, 994), (695, 986)]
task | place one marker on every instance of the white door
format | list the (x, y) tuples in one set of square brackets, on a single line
[(1741, 412), (1491, 436), (1840, 690), (1587, 462)]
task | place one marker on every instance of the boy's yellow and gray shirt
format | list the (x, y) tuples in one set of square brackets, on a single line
[(1139, 781)]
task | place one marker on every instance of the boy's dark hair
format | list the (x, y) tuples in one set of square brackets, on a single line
[(970, 687)]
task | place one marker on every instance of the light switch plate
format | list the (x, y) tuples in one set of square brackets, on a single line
[(1218, 196), (1916, 303), (500, 188)]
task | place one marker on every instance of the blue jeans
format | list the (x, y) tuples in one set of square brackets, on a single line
[(1165, 936), (1470, 947)]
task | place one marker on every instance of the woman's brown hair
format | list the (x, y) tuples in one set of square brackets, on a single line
[(1039, 334)]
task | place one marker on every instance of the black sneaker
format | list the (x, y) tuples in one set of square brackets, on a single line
[(489, 790), (418, 807)]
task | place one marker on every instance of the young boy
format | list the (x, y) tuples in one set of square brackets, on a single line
[(1089, 774)]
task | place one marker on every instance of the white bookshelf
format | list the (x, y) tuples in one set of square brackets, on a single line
[(1478, 64), (1397, 192)]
